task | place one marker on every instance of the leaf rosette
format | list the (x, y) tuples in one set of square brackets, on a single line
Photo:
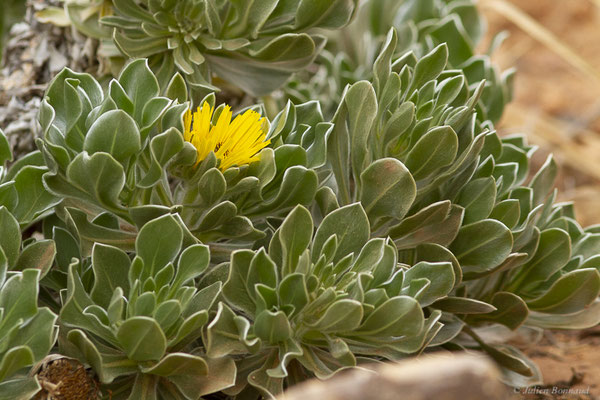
[(124, 153), (317, 301), (27, 331), (255, 46), (138, 323)]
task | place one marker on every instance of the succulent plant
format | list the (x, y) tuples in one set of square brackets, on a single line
[(27, 332), (138, 322), (318, 301), (21, 188), (255, 46), (413, 146), (421, 25), (207, 251), (125, 153)]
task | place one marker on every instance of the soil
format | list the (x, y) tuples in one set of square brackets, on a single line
[(34, 54), (558, 107), (555, 104), (570, 364)]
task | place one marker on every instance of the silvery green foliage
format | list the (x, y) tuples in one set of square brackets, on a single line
[(27, 332), (404, 224), (21, 189), (122, 152), (138, 323), (409, 146), (254, 45), (421, 25), (317, 301)]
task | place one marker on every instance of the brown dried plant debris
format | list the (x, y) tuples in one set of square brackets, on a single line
[(63, 378), (34, 54)]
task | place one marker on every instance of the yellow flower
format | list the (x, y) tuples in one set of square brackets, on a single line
[(234, 142)]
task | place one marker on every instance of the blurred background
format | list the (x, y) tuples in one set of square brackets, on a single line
[(555, 47)]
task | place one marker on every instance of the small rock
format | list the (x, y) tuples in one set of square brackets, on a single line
[(436, 377)]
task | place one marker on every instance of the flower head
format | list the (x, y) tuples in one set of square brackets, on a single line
[(234, 142)]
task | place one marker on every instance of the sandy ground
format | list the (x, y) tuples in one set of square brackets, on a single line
[(558, 107)]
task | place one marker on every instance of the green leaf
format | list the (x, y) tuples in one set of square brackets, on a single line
[(553, 252), (370, 255), (221, 375), (571, 293), (8, 195), (142, 339), (342, 316), (89, 354), (511, 310), (293, 291), (158, 243), (64, 98), (144, 387), (291, 49), (351, 226), (482, 245), (439, 274), (429, 66), (460, 47), (222, 335), (586, 318), (508, 212), (361, 102), (463, 305), (5, 150), (140, 84), (272, 327), (295, 235), (235, 289), (97, 178), (398, 316), (543, 181), (111, 267), (436, 223), (177, 89), (116, 133), (15, 359), (399, 123), (10, 240), (38, 334), (19, 389), (192, 263), (331, 14), (262, 270), (387, 190), (38, 255), (587, 246), (448, 89), (338, 154), (478, 197), (252, 76), (90, 232), (509, 358), (18, 298), (434, 150), (178, 364), (75, 310), (119, 97), (34, 199)]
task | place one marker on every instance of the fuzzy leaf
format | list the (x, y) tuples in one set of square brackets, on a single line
[(142, 339), (351, 226)]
